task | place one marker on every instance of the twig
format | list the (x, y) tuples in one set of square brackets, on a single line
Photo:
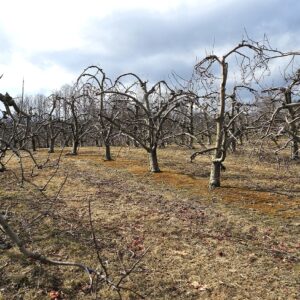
[(39, 257), (194, 155), (103, 266)]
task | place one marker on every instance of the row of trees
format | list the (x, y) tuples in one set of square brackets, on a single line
[(230, 98)]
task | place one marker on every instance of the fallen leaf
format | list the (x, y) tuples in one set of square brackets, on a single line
[(54, 295), (196, 285), (203, 287)]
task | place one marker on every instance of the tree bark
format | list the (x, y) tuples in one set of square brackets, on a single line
[(219, 155), (153, 162), (75, 147), (33, 143), (233, 145), (209, 138), (107, 152), (47, 140), (51, 146), (295, 150), (191, 125), (2, 167), (215, 175), (293, 127)]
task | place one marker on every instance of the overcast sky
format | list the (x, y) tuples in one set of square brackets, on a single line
[(50, 42)]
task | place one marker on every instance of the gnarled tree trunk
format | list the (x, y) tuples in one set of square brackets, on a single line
[(75, 147), (153, 162), (215, 175), (107, 152), (219, 155), (293, 127), (33, 143), (295, 150), (51, 146)]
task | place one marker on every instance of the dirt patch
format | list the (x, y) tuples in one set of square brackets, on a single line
[(247, 185)]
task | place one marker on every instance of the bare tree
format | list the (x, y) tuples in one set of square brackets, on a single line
[(78, 115), (99, 276), (93, 82), (143, 111), (285, 119), (253, 59)]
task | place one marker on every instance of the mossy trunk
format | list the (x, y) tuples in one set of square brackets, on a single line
[(153, 162)]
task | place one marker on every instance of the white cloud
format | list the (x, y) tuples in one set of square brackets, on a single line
[(46, 42), (35, 25), (37, 79)]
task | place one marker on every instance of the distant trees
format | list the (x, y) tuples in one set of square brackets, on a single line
[(227, 101), (93, 82), (15, 129), (53, 126), (285, 119)]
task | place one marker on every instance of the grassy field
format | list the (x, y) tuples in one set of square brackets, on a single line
[(241, 241)]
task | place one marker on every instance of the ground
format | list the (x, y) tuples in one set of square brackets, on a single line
[(237, 242)]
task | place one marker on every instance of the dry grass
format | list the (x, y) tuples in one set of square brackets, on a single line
[(238, 242)]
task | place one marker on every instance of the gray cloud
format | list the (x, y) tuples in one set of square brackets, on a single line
[(154, 45)]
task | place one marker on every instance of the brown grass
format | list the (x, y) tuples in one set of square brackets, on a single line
[(238, 242), (262, 187)]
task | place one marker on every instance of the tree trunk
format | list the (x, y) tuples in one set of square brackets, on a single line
[(219, 155), (191, 125), (153, 162), (135, 129), (65, 140), (241, 139), (295, 150), (38, 142), (2, 167), (293, 127), (215, 175), (75, 147), (136, 144), (233, 145), (107, 152), (209, 138), (33, 143), (233, 142), (47, 139), (51, 146)]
